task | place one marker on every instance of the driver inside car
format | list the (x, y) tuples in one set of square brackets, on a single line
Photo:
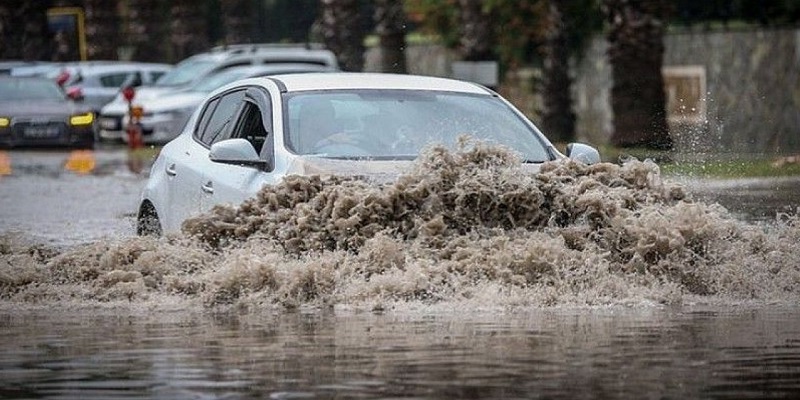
[(319, 129)]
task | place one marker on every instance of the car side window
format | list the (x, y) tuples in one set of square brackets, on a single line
[(251, 127), (204, 118), (154, 75), (114, 80), (219, 124)]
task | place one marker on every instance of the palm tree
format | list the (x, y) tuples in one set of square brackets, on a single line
[(636, 51), (24, 34), (187, 33), (238, 17), (340, 28), (476, 31), (390, 26), (558, 119), (146, 29), (102, 29)]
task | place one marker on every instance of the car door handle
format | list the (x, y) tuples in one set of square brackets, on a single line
[(208, 187), (170, 170)]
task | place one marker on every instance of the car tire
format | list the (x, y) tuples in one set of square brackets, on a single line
[(147, 223)]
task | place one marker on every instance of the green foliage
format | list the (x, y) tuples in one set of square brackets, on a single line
[(520, 25)]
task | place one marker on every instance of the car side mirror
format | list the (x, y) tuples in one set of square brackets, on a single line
[(236, 152), (583, 153)]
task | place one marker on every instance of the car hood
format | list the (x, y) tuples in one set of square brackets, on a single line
[(38, 107), (378, 171)]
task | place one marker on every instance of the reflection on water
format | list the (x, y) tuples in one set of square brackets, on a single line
[(712, 353)]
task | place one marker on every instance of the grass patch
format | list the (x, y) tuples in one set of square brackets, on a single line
[(731, 169), (722, 166)]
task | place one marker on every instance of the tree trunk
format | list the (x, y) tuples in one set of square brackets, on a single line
[(24, 34), (390, 26), (476, 31), (237, 18), (102, 29), (558, 119), (636, 50), (187, 33), (146, 30), (341, 30)]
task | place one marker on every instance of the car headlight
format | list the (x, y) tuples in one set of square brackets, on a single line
[(82, 119), (4, 122)]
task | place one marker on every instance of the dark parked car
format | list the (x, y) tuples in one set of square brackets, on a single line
[(36, 111)]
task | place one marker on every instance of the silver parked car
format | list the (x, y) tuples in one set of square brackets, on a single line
[(35, 111), (96, 83), (255, 132), (165, 115), (200, 66)]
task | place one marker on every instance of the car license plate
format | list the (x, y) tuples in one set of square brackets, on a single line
[(111, 124), (41, 131)]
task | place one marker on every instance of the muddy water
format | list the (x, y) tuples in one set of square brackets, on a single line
[(469, 277), (728, 352)]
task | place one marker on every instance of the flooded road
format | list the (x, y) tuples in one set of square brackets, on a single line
[(658, 298)]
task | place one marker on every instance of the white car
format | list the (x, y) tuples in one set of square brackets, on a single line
[(96, 83), (254, 132), (165, 114), (197, 68)]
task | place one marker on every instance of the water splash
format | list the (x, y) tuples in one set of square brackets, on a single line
[(473, 227)]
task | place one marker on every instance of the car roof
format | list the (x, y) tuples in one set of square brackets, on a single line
[(270, 53), (359, 80), (100, 66)]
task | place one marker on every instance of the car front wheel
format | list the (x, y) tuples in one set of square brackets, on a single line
[(147, 223)]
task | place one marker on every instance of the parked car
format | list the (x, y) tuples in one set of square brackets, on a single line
[(32, 68), (256, 131), (198, 67), (96, 83), (165, 115), (36, 111)]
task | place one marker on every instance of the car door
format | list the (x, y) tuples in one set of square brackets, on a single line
[(232, 184), (187, 191)]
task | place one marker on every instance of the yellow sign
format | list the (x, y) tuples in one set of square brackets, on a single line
[(69, 32)]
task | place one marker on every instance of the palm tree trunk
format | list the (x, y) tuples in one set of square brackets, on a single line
[(342, 32), (188, 33), (146, 30), (24, 34), (390, 26), (558, 119), (102, 29), (476, 31), (636, 51), (238, 17)]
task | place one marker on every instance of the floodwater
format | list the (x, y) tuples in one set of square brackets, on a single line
[(618, 284)]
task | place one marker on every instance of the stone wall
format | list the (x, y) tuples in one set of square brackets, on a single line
[(750, 101), (736, 92)]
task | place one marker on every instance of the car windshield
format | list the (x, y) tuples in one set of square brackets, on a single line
[(397, 124), (186, 72), (30, 89)]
